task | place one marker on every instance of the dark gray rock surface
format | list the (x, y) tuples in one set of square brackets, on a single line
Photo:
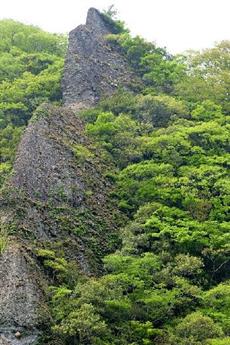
[(93, 68), (58, 191), (21, 298), (7, 337), (44, 167), (57, 194)]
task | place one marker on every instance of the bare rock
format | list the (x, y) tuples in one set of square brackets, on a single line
[(21, 297), (18, 335), (8, 338), (93, 68), (56, 194), (57, 191), (44, 166)]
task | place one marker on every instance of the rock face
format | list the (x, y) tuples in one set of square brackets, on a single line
[(58, 196), (93, 68), (21, 297), (44, 166), (57, 187), (56, 199)]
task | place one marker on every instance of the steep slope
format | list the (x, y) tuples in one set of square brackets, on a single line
[(56, 168), (57, 197), (21, 296)]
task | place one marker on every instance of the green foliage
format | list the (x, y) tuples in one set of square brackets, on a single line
[(158, 69), (224, 341), (3, 238), (84, 324), (31, 62), (216, 305), (149, 110), (81, 152), (196, 328), (168, 282), (207, 111), (118, 136), (110, 18), (207, 76), (5, 169), (58, 267), (30, 39), (9, 139), (158, 110), (20, 97)]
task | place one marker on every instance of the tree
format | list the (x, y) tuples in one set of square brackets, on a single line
[(207, 76)]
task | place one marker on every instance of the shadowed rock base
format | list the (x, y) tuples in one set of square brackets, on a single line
[(21, 298)]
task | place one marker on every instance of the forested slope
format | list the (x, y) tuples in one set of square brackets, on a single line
[(31, 63), (167, 146)]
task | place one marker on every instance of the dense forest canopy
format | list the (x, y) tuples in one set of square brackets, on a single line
[(168, 144)]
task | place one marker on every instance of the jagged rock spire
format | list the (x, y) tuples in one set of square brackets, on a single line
[(52, 196), (93, 68), (95, 21)]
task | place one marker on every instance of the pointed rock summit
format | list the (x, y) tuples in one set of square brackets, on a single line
[(96, 22), (93, 68)]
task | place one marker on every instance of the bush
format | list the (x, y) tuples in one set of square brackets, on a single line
[(198, 327), (3, 239)]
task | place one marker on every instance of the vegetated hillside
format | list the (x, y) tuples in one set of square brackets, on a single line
[(167, 145), (31, 63)]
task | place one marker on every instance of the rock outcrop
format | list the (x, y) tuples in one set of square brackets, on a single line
[(21, 297), (57, 196), (56, 199), (93, 67), (44, 164), (57, 190)]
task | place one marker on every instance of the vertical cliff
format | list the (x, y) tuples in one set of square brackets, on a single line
[(93, 67), (22, 301), (58, 195), (57, 199)]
